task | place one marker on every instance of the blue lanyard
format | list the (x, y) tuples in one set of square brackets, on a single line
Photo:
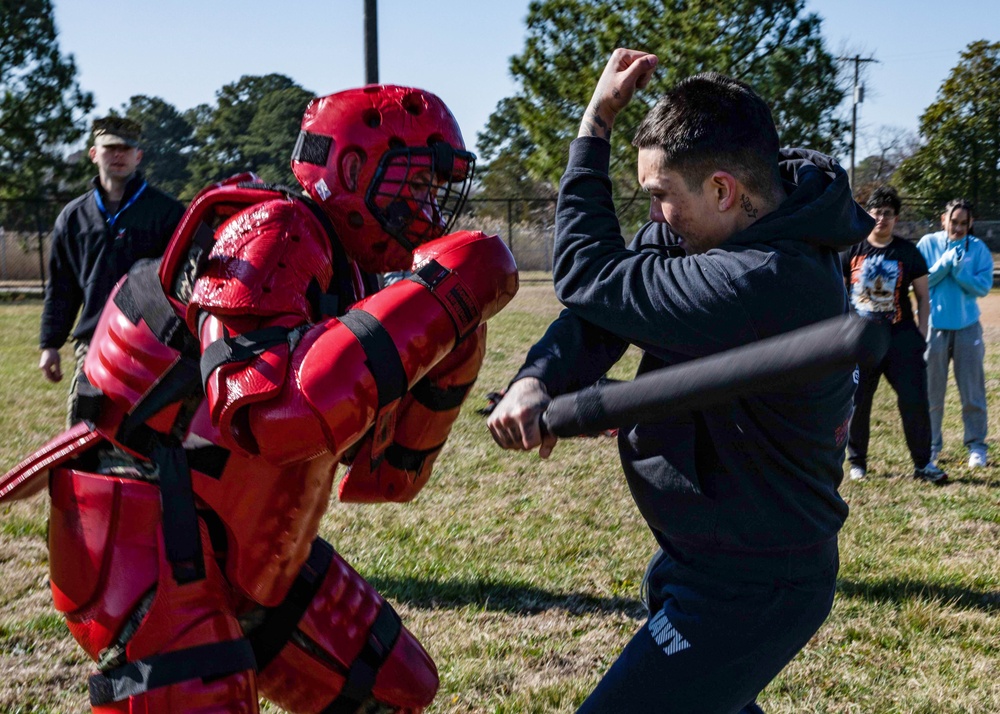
[(104, 211)]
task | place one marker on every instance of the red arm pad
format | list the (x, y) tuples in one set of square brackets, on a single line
[(426, 416), (344, 372)]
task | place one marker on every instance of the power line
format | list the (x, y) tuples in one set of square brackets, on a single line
[(859, 96)]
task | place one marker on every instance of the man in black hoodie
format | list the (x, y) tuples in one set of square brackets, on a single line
[(742, 498), (96, 239)]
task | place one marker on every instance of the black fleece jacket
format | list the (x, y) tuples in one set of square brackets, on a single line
[(760, 474), (91, 250)]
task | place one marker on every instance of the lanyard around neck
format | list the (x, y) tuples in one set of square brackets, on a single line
[(104, 211)]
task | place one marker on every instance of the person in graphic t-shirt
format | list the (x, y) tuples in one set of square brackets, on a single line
[(879, 273)]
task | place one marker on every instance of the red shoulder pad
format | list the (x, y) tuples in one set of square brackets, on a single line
[(262, 262), (238, 384)]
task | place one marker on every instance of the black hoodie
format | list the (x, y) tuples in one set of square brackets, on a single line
[(92, 250), (758, 475)]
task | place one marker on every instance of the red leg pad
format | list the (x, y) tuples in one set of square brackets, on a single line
[(102, 552), (229, 695), (106, 554), (185, 616), (337, 625)]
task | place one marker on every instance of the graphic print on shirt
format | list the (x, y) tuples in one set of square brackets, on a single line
[(875, 288)]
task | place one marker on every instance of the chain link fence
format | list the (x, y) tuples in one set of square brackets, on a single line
[(25, 234), (527, 226)]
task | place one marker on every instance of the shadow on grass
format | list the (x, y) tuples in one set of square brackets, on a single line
[(900, 591), (499, 596), (969, 480)]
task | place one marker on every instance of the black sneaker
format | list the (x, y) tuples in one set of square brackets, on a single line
[(931, 474)]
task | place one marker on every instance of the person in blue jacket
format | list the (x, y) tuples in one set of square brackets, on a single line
[(742, 498), (960, 272)]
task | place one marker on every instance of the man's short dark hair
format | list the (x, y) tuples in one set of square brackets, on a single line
[(711, 122), (884, 197)]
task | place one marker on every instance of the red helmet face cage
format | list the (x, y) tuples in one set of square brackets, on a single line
[(417, 193), (389, 167)]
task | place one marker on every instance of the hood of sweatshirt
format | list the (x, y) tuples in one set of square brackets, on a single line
[(820, 208)]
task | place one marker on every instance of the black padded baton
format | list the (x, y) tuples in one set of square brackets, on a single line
[(794, 357)]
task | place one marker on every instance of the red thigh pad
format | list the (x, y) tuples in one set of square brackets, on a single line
[(349, 643), (102, 552)]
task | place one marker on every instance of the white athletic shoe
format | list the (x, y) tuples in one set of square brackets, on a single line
[(977, 459), (858, 473)]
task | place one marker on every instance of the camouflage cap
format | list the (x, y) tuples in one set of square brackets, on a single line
[(116, 130)]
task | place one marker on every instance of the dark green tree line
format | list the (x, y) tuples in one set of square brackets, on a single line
[(959, 155), (774, 45), (42, 108)]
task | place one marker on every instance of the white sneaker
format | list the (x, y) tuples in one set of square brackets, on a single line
[(858, 473), (977, 459)]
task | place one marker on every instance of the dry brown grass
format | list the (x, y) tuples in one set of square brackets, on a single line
[(521, 576)]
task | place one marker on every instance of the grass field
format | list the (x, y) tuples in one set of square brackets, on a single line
[(521, 576)]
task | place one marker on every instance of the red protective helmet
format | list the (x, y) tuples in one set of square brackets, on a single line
[(389, 167)]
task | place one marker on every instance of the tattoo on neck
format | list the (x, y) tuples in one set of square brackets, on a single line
[(595, 126), (747, 206)]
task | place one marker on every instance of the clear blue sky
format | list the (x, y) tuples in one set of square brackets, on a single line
[(185, 50)]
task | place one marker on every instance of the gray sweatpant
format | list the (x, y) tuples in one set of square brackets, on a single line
[(967, 350)]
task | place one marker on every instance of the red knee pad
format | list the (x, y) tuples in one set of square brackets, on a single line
[(347, 645)]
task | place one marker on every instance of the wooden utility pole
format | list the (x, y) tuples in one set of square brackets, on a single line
[(859, 96), (371, 42)]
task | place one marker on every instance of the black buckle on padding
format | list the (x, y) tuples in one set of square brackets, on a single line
[(381, 355), (240, 348), (270, 637), (212, 661), (361, 677), (430, 274)]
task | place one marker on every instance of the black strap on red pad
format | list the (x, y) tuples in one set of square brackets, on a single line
[(141, 298), (212, 661), (406, 459), (439, 399), (240, 348), (270, 637), (381, 355), (361, 678)]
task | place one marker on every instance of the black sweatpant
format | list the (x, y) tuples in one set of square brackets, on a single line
[(906, 372), (717, 635)]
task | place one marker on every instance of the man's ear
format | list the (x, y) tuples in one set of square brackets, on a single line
[(92, 153), (138, 156), (724, 190)]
